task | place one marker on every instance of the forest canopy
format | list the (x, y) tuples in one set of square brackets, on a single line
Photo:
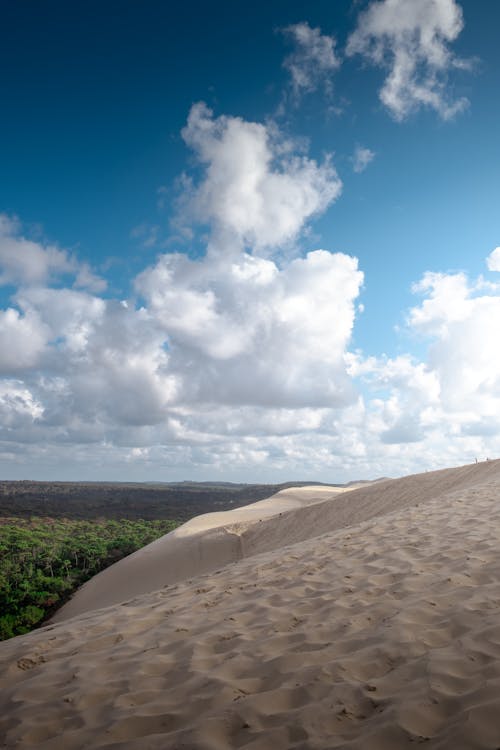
[(43, 560)]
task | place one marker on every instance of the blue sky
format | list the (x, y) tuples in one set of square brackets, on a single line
[(164, 310)]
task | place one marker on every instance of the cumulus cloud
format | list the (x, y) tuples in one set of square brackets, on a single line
[(313, 60), (493, 260), (449, 402), (18, 407), (406, 429), (22, 340), (411, 39), (108, 360), (249, 332), (446, 300), (24, 262), (218, 355), (238, 362), (223, 365), (361, 158), (87, 279), (256, 192), (463, 321), (402, 393)]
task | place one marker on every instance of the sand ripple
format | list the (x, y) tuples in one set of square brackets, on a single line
[(383, 635)]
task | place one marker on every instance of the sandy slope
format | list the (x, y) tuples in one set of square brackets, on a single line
[(201, 545), (213, 540), (382, 634)]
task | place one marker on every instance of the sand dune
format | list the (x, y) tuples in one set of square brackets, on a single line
[(201, 545), (214, 540), (382, 633)]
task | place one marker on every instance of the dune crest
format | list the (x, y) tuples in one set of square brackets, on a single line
[(203, 544), (214, 540), (382, 633)]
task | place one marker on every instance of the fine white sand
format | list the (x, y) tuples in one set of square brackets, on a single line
[(368, 620)]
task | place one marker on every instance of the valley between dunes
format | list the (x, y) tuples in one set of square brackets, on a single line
[(316, 619)]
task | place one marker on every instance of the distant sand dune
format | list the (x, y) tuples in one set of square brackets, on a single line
[(382, 633)]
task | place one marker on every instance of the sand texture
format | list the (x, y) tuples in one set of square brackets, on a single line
[(382, 633), (201, 545), (213, 540)]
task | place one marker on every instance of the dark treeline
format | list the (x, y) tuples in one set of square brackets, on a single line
[(43, 560), (79, 500)]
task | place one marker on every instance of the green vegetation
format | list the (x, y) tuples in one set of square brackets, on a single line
[(43, 560)]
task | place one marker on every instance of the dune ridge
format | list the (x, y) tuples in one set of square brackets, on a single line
[(203, 544), (380, 634), (214, 540)]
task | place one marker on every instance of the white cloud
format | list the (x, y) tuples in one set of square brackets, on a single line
[(23, 261), (361, 158), (87, 279), (239, 361), (493, 260), (249, 332), (256, 192), (445, 408), (22, 340), (226, 351), (70, 316), (463, 322), (401, 393), (111, 358), (26, 263), (313, 60), (411, 39), (447, 301), (18, 407), (449, 403)]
